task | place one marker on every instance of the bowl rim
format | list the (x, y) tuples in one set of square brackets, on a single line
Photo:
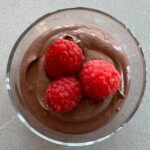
[(8, 82)]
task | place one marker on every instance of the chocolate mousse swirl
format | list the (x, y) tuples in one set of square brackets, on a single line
[(87, 117)]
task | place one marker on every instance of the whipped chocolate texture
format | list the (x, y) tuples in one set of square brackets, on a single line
[(87, 117)]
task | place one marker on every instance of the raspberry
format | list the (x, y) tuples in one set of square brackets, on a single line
[(63, 57), (99, 79), (63, 94)]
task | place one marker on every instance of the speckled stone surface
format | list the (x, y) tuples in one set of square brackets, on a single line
[(17, 15)]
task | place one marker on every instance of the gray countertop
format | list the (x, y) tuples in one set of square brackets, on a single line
[(17, 15)]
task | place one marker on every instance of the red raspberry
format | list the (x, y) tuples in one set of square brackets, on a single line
[(63, 57), (63, 94), (99, 79)]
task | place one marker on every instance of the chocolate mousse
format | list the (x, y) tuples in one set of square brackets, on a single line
[(87, 117)]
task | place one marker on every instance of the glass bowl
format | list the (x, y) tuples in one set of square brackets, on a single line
[(79, 16)]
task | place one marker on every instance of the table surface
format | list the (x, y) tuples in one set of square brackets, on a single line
[(17, 15)]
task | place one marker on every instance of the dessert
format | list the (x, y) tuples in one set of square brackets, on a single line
[(87, 117)]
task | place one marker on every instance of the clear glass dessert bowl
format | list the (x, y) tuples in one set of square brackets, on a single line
[(79, 16)]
